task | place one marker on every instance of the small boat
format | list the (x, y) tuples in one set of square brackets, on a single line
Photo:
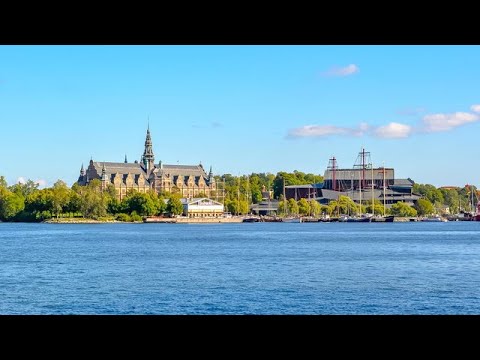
[(251, 220), (435, 218), (292, 220)]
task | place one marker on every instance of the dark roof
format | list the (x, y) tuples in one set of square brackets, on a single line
[(184, 167), (121, 168), (305, 186), (403, 182), (182, 170)]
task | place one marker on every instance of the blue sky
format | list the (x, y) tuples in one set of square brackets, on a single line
[(241, 109)]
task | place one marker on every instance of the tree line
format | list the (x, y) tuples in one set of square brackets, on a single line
[(26, 202)]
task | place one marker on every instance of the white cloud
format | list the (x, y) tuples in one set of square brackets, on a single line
[(475, 108), (319, 131), (393, 131), (445, 122), (342, 71), (41, 183), (21, 180)]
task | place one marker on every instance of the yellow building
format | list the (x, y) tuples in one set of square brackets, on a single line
[(188, 180)]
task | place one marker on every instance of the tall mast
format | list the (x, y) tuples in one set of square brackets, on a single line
[(363, 167), (332, 165), (373, 198), (384, 188), (285, 205), (360, 190)]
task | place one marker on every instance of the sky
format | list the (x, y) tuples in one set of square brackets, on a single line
[(241, 109)]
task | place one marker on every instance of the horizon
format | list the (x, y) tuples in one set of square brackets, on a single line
[(241, 109)]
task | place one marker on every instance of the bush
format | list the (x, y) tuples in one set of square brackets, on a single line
[(136, 217), (123, 217)]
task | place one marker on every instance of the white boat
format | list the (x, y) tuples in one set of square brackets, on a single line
[(292, 220), (435, 218)]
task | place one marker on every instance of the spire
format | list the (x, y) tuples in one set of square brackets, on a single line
[(210, 174), (148, 158), (82, 171), (104, 173), (126, 161)]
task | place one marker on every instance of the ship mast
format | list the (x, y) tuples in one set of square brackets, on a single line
[(332, 165), (384, 189)]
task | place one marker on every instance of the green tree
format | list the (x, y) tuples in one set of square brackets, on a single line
[(403, 209), (60, 197), (3, 182), (11, 204), (293, 207), (303, 207), (282, 206), (424, 207), (175, 206), (141, 203), (315, 207)]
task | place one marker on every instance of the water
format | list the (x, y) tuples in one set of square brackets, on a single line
[(260, 268)]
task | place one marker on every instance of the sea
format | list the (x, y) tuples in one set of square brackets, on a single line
[(240, 268)]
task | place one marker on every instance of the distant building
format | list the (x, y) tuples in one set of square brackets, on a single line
[(187, 180), (356, 183), (267, 206), (202, 208)]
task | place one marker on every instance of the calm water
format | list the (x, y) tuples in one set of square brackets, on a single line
[(262, 268)]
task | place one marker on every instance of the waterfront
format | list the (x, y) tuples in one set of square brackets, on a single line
[(260, 268)]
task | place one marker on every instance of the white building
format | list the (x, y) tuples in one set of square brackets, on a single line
[(202, 208)]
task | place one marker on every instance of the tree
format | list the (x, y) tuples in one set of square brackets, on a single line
[(60, 196), (11, 204), (377, 207), (24, 189), (424, 207), (282, 206), (315, 208), (3, 182), (303, 207), (402, 209), (142, 204), (175, 206), (293, 207)]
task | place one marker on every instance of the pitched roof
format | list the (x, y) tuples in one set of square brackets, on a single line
[(121, 168), (185, 170)]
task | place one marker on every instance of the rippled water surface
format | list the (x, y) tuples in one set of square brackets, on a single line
[(259, 268)]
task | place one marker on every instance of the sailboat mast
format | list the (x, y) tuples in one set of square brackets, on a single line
[(360, 191), (285, 205), (373, 199), (384, 188)]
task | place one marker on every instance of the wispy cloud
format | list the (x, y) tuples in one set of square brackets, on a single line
[(475, 108), (446, 122), (342, 71), (41, 183), (318, 131), (393, 131), (216, 124), (410, 111)]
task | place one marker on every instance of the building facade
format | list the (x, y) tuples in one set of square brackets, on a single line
[(187, 180), (202, 208), (363, 182)]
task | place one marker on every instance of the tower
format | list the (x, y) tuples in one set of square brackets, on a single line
[(104, 177), (81, 178), (210, 175), (148, 159)]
